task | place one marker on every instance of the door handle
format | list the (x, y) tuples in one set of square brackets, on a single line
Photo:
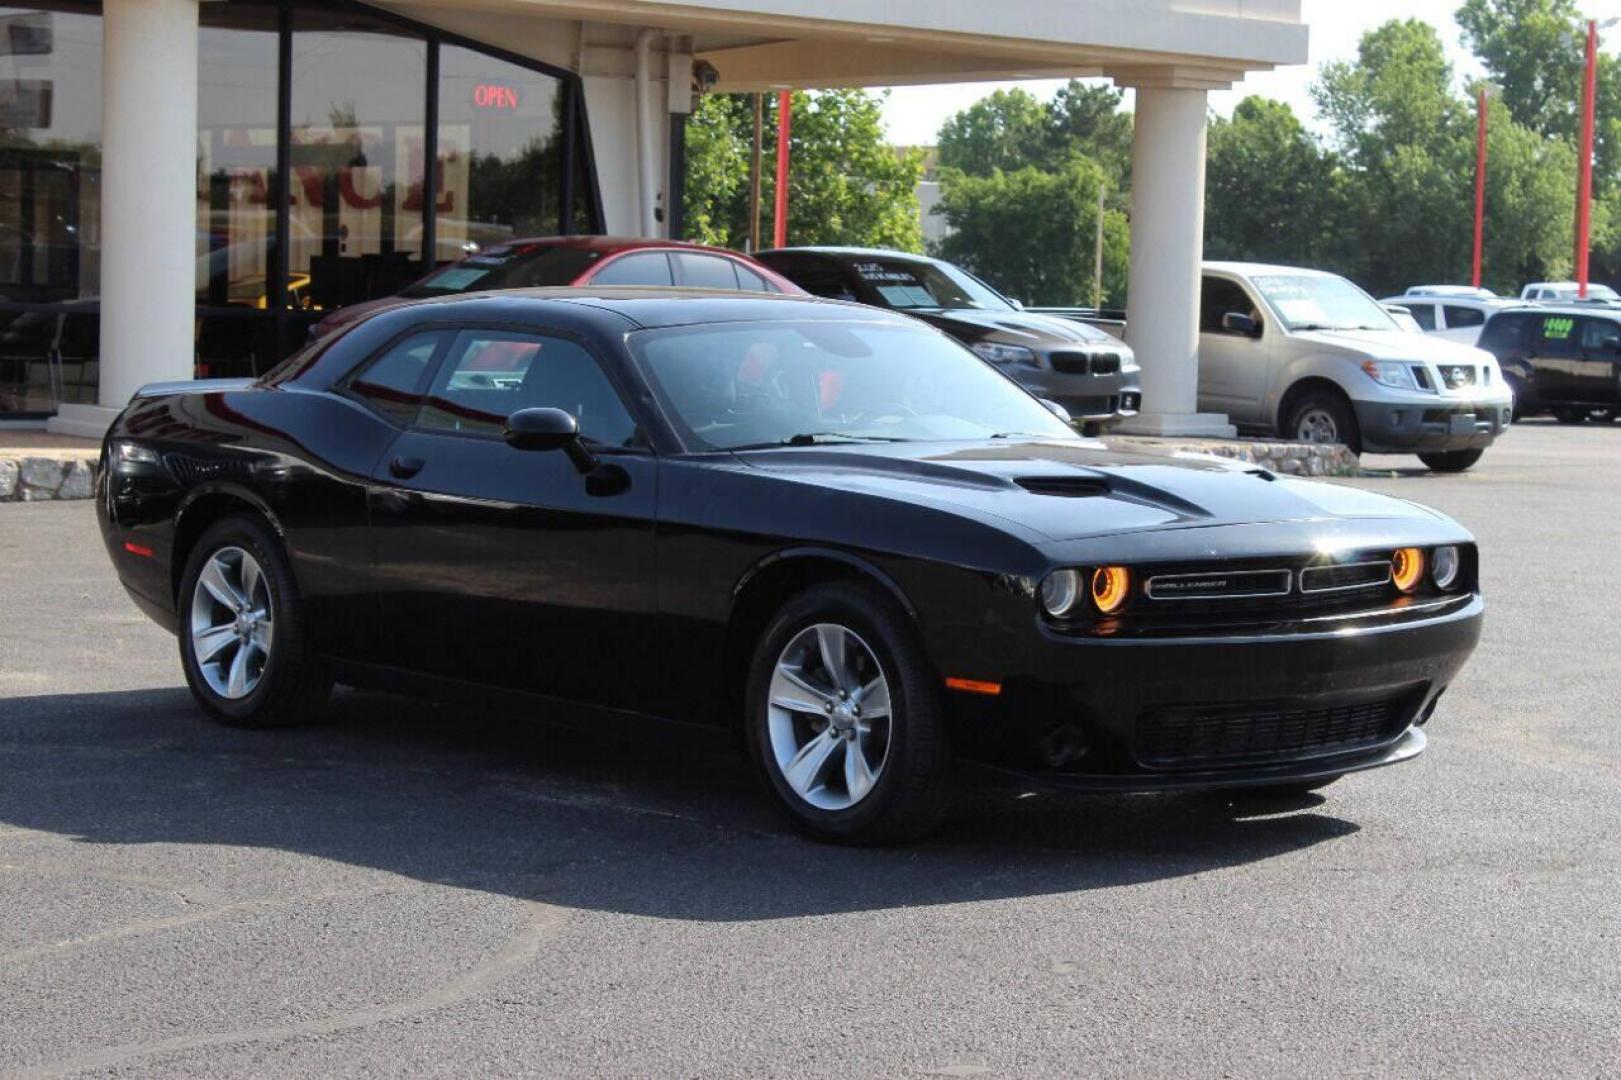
[(405, 467)]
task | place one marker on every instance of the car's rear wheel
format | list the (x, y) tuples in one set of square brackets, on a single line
[(242, 640), (1323, 416), (1571, 416), (844, 718), (1452, 461)]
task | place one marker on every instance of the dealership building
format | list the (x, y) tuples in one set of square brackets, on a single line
[(186, 185)]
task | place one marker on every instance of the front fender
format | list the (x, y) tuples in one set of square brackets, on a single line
[(1341, 369)]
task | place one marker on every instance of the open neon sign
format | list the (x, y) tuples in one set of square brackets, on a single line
[(495, 96)]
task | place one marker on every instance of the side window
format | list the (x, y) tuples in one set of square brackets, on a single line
[(1463, 316), (1423, 314), (704, 271), (641, 268), (1555, 335), (393, 382), (1504, 333), (1600, 335), (1218, 297), (748, 280), (491, 374)]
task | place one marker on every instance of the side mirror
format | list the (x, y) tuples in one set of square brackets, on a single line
[(549, 429), (1057, 410), (1018, 305), (1236, 323), (1612, 344)]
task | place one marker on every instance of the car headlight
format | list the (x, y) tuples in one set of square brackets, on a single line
[(1005, 354), (1407, 568), (1390, 373), (1111, 586), (1060, 592), (1444, 567), (129, 453)]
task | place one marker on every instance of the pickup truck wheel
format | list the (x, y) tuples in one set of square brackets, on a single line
[(1452, 461), (1323, 416)]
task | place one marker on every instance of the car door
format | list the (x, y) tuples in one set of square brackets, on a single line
[(509, 567), (1234, 367), (1553, 347), (1594, 377)]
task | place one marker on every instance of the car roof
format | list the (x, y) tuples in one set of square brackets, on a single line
[(1605, 311), (1228, 267), (851, 253), (610, 245), (656, 307), (1453, 299)]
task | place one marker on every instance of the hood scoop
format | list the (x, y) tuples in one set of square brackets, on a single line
[(1067, 487)]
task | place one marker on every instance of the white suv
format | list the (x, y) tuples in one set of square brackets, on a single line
[(1454, 312), (1308, 355), (1563, 292)]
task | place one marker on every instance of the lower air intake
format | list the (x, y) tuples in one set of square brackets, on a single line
[(1249, 734)]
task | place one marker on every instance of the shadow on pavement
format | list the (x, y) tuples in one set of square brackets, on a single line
[(522, 809)]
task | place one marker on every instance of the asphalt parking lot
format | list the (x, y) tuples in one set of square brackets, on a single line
[(410, 889)]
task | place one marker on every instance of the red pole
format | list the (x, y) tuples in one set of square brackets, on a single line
[(784, 123), (1584, 183), (1480, 184)]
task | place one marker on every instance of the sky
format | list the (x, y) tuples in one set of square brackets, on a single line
[(914, 114)]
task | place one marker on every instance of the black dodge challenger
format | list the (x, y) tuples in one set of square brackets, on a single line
[(830, 529)]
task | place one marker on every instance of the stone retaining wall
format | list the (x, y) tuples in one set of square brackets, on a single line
[(38, 479), (1291, 458)]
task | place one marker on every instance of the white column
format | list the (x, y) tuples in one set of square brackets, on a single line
[(1167, 247), (148, 202)]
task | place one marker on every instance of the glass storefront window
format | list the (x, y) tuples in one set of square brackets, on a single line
[(356, 192), (50, 204), (355, 195), (500, 161)]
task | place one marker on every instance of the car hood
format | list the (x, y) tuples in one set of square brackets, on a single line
[(1049, 491), (1016, 328), (1396, 345)]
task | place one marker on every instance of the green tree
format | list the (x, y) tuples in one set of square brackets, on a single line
[(846, 184), (1007, 130), (1050, 264), (1087, 118), (1272, 194), (1533, 51)]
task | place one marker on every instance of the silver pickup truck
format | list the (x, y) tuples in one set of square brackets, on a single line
[(1304, 354)]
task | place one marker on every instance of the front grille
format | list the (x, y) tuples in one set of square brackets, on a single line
[(1337, 578), (1221, 585), (1079, 363), (1247, 734), (1457, 376), (193, 470)]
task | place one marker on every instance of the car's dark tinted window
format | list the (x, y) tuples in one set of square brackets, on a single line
[(393, 382), (1463, 316), (1423, 314), (817, 276), (1554, 335), (1504, 332), (506, 266), (489, 375), (1218, 297), (643, 268), (1600, 335), (704, 271)]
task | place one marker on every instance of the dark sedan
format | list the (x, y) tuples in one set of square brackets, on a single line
[(828, 529), (1091, 374)]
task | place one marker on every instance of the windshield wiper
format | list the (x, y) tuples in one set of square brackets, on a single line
[(817, 438)]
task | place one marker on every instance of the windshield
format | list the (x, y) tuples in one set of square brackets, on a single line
[(1322, 302), (507, 266), (756, 384), (919, 285)]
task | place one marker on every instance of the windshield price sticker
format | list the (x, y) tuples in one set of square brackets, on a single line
[(871, 271), (1557, 329)]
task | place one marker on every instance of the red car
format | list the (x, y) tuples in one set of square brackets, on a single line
[(580, 260)]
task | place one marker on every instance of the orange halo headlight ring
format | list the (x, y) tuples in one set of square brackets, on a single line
[(1111, 587), (1407, 568)]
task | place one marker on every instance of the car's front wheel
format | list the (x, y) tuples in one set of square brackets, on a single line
[(1571, 416), (1323, 416), (242, 640), (844, 718), (1452, 461)]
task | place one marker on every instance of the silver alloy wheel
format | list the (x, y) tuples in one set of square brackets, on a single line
[(1317, 426), (231, 623), (829, 716)]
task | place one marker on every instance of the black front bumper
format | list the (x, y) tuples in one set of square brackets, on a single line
[(1284, 705), (1396, 429)]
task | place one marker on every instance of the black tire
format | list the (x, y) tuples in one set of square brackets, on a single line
[(911, 793), (1453, 461), (1330, 404), (1571, 416), (1286, 791), (293, 684)]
